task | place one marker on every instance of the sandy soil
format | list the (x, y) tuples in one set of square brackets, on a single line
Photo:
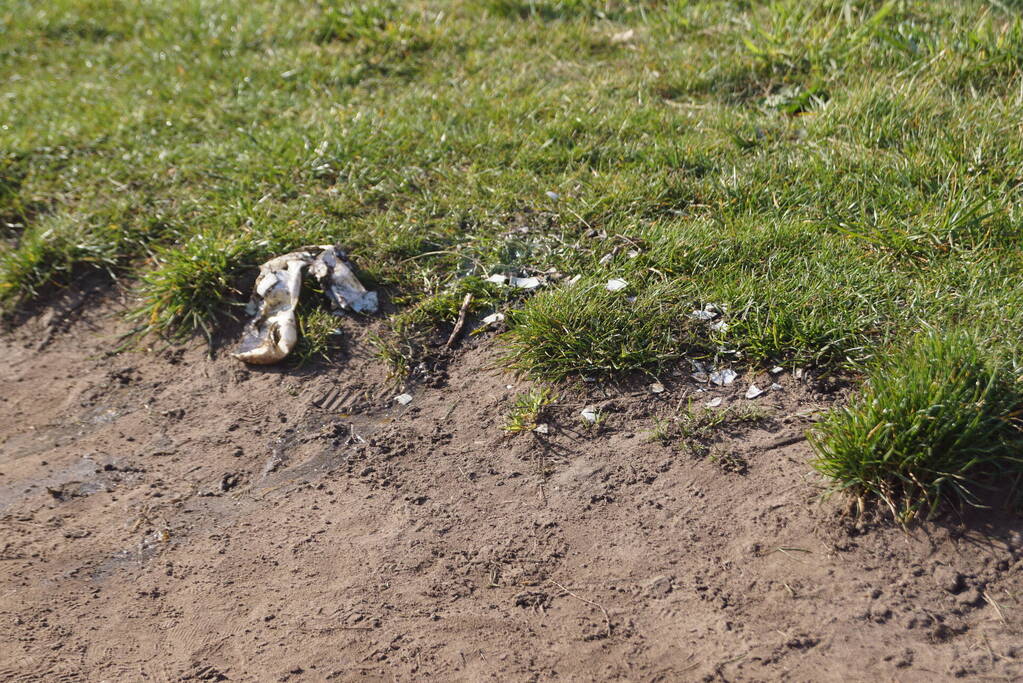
[(167, 515)]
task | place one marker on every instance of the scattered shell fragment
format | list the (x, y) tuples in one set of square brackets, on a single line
[(520, 282), (542, 428), (723, 377), (701, 377), (753, 391), (272, 333), (524, 282), (623, 37), (493, 318), (403, 399), (553, 195), (573, 280), (657, 388), (606, 259), (777, 369), (775, 387), (714, 402), (616, 284), (719, 326), (589, 413), (702, 315)]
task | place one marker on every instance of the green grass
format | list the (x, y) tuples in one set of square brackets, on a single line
[(528, 409), (939, 421), (834, 176)]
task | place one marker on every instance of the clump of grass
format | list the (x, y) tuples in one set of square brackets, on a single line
[(319, 334), (47, 253), (729, 461), (934, 423), (585, 329), (699, 424), (527, 410), (411, 330), (187, 291)]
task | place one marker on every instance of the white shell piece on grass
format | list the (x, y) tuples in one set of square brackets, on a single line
[(719, 326), (701, 377), (616, 284), (753, 392), (589, 413), (777, 369), (498, 279), (541, 428), (702, 315), (714, 402), (606, 259), (553, 195), (723, 377), (493, 318), (657, 388), (403, 399), (524, 282), (573, 280), (623, 37), (272, 333)]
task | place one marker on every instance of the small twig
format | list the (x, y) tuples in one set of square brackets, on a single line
[(607, 617), (460, 323), (788, 552), (989, 600)]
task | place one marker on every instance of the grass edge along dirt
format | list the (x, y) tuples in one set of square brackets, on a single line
[(939, 421), (831, 176)]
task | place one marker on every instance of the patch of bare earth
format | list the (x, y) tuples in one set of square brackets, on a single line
[(165, 515)]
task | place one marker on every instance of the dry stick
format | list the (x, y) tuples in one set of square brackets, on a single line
[(607, 617), (991, 601), (460, 323)]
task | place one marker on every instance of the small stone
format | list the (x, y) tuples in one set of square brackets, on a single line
[(657, 388)]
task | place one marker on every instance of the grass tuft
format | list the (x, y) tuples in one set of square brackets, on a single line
[(585, 329), (527, 410), (48, 253), (937, 422), (187, 290)]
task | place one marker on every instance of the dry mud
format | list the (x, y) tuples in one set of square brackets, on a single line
[(168, 515)]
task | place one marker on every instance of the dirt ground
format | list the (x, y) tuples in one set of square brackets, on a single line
[(168, 515)]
